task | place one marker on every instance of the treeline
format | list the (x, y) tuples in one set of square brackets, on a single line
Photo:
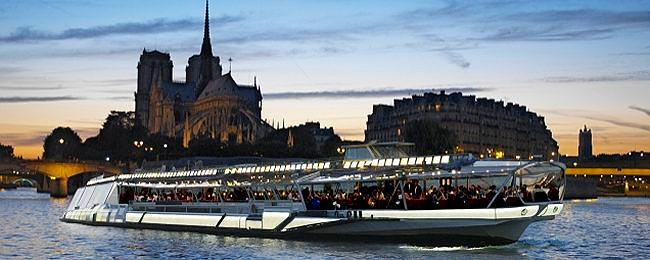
[(120, 139), (6, 152)]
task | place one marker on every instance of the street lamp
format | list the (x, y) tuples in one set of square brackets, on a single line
[(164, 145), (108, 159)]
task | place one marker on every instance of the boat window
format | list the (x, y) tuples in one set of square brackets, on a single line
[(358, 153), (419, 161), (541, 183), (411, 161), (374, 163), (404, 161), (381, 163), (346, 164), (431, 160), (350, 195), (445, 159), (396, 162)]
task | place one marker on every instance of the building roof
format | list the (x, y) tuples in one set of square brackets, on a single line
[(184, 91), (222, 86)]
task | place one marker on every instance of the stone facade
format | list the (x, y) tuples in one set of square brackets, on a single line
[(208, 103), (483, 126)]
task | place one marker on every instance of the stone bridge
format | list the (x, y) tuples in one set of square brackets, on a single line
[(52, 177)]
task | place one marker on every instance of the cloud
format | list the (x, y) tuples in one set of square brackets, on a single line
[(386, 92), (621, 123), (122, 98), (161, 25), (544, 34), (31, 88), (642, 75), (601, 118), (24, 139), (8, 70), (644, 110), (456, 59), (37, 99), (514, 21)]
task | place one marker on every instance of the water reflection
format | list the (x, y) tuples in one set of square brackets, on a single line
[(608, 227)]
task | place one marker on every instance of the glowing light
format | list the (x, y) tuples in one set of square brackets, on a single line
[(61, 141)]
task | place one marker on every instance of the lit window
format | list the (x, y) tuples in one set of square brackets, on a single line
[(389, 162), (375, 162), (419, 160), (411, 161), (404, 161), (429, 160), (437, 159), (396, 162), (354, 164), (445, 159), (346, 164), (381, 162)]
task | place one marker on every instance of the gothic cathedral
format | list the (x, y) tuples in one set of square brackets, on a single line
[(208, 103)]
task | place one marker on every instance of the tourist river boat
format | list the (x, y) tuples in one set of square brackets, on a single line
[(376, 193)]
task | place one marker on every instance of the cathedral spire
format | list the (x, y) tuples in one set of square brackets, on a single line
[(206, 47)]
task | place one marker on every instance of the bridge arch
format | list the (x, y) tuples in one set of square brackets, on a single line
[(21, 181), (58, 173)]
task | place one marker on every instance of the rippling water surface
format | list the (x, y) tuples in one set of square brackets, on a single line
[(607, 227)]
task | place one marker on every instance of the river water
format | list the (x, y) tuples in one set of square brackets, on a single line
[(607, 227)]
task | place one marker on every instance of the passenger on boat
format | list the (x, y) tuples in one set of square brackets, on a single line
[(523, 192), (539, 195), (553, 192)]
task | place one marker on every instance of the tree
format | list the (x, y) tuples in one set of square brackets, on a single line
[(6, 152), (429, 137), (62, 144)]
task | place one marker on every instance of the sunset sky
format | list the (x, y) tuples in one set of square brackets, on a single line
[(69, 62)]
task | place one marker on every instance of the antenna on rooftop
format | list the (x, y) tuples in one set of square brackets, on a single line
[(229, 65)]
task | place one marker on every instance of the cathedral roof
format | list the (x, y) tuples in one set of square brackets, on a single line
[(226, 86), (185, 92), (222, 86)]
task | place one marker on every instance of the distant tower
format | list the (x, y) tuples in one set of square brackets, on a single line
[(584, 144)]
